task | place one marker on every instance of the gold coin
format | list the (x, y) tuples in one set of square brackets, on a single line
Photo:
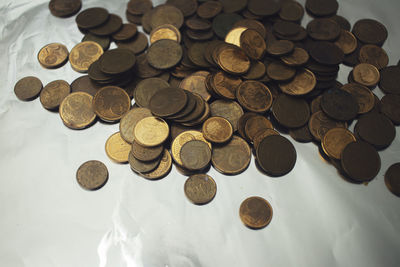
[(92, 175), (217, 130), (200, 188), (255, 212), (182, 139), (54, 93), (117, 148), (84, 54), (110, 103), (233, 36), (163, 168), (335, 140), (76, 110), (303, 82), (166, 31), (151, 131), (53, 55), (366, 74), (129, 121)]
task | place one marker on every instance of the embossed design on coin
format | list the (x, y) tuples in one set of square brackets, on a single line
[(84, 54), (76, 110), (200, 188), (255, 212), (53, 55)]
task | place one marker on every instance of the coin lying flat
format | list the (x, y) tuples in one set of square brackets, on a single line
[(129, 121), (117, 148), (53, 55), (339, 105), (92, 17), (254, 96), (260, 135), (182, 139), (84, 54), (126, 32), (92, 175), (225, 85), (366, 74), (390, 80), (323, 29), (28, 88), (163, 168), (54, 93), (168, 101), (299, 57), (217, 130), (200, 188), (151, 131), (146, 89), (195, 155), (233, 60), (392, 179), (335, 140), (303, 82), (256, 124), (167, 14), (255, 212), (363, 95), (111, 26), (64, 8), (370, 31), (76, 110), (137, 44), (110, 103), (164, 54), (229, 110), (146, 153), (195, 83), (373, 55), (280, 48), (284, 107), (280, 72), (347, 42), (117, 61), (390, 106)]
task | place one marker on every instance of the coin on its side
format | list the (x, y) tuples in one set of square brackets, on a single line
[(92, 175), (335, 140), (117, 148), (110, 103), (76, 110), (163, 168), (129, 121), (151, 131), (28, 88), (84, 54), (53, 55), (255, 212), (200, 188), (217, 130), (54, 93)]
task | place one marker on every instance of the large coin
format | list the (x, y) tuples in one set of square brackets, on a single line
[(76, 110)]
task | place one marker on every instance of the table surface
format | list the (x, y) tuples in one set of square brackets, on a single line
[(47, 219)]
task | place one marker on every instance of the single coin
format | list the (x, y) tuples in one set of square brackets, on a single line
[(92, 175), (137, 44), (376, 129), (195, 83), (323, 29), (117, 149), (103, 41), (146, 153), (151, 131), (209, 9), (167, 14), (225, 85), (255, 125), (347, 42), (390, 106), (319, 124), (290, 112), (164, 54), (365, 98), (129, 121), (110, 103), (233, 36), (326, 53), (303, 82), (264, 7), (117, 61), (222, 23), (254, 96), (53, 55), (291, 11), (370, 31), (195, 155), (28, 88), (280, 47), (392, 179), (126, 32), (253, 44), (181, 140), (163, 168), (390, 80), (233, 60), (64, 8), (146, 89), (166, 31), (92, 17), (280, 72), (255, 212), (54, 93), (335, 140), (339, 105), (168, 101), (143, 166), (366, 74), (76, 110), (84, 54), (301, 134), (217, 130), (231, 158), (259, 136), (373, 55), (322, 8), (360, 161), (227, 109), (188, 7), (200, 188), (139, 7), (111, 26), (298, 57)]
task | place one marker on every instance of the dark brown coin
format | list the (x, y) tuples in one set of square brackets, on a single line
[(196, 54), (261, 135), (257, 71), (195, 83), (390, 80), (286, 28), (291, 11), (364, 96), (374, 55), (255, 212), (209, 9), (217, 130), (164, 54), (84, 84), (376, 129), (303, 83), (197, 115), (242, 123), (225, 85), (113, 24), (343, 22), (301, 134), (188, 109), (167, 14), (392, 179), (322, 8), (139, 7), (103, 41), (276, 155), (298, 57), (370, 31), (200, 188), (255, 125), (319, 124), (326, 53), (143, 166), (252, 24), (199, 35), (92, 175), (195, 155), (223, 23), (117, 61), (54, 93), (253, 44), (227, 109), (339, 105), (254, 96), (146, 153), (360, 161), (143, 69), (168, 101), (280, 72), (290, 112), (28, 88), (188, 7), (110, 103), (232, 158), (323, 29), (126, 32), (390, 106), (198, 24), (64, 8), (146, 20), (264, 7), (233, 6), (138, 44), (315, 104), (92, 17), (280, 47), (134, 19)]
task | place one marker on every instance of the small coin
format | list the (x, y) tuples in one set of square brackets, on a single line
[(298, 57), (146, 89), (143, 166), (339, 105), (92, 17), (365, 98), (146, 153), (129, 121), (255, 125), (200, 188), (319, 124), (164, 54), (390, 106), (335, 140), (253, 44), (370, 31), (255, 212), (111, 26), (110, 103), (76, 110), (64, 8), (254, 96), (390, 80), (182, 139), (54, 93), (168, 102), (195, 155), (209, 9), (222, 23), (233, 157), (392, 179), (322, 8), (166, 31), (373, 55), (163, 168), (227, 109), (28, 88), (376, 129), (117, 149), (360, 161), (347, 42), (92, 175), (366, 74), (323, 29), (126, 32), (137, 44), (53, 55), (167, 14), (217, 130), (303, 83), (84, 54), (151, 131), (233, 60), (290, 112), (195, 83)]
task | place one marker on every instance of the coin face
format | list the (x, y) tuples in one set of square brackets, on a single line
[(168, 101), (253, 44), (110, 103), (326, 53), (195, 155), (129, 121), (290, 112), (64, 8), (164, 54), (254, 96), (256, 124), (117, 61), (280, 48), (370, 31), (365, 98), (233, 60), (151, 131), (167, 14), (217, 130), (392, 179), (28, 88), (298, 57), (390, 79), (165, 31), (335, 140), (54, 93), (209, 9), (117, 148), (322, 8), (200, 188), (260, 135), (182, 139), (53, 55), (163, 168), (76, 110), (146, 89), (303, 82), (320, 124), (366, 74), (103, 41), (92, 175), (255, 212), (323, 29), (225, 85), (280, 72), (111, 26), (347, 42), (84, 54), (373, 55), (339, 105), (139, 7)]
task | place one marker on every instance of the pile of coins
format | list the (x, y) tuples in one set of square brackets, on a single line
[(219, 81)]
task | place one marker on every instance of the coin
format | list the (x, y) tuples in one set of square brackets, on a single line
[(366, 74), (195, 155), (209, 9), (188, 7), (319, 124), (167, 14), (195, 83), (339, 105), (28, 88), (301, 134), (84, 54), (370, 31), (335, 140), (255, 125), (200, 188), (253, 44), (392, 179), (323, 29), (137, 44), (364, 96), (103, 41), (117, 61), (255, 212), (227, 109), (233, 36), (92, 17), (199, 114), (326, 53), (261, 134), (92, 175), (76, 110), (290, 112), (254, 96), (222, 23), (231, 158), (146, 89), (390, 80), (163, 168), (164, 54), (291, 11), (322, 8), (64, 8), (198, 24), (151, 131), (110, 103), (143, 166), (111, 26), (233, 60), (280, 72), (139, 7), (182, 139), (126, 32), (373, 55), (298, 57), (129, 121), (168, 102), (264, 7), (117, 149), (390, 107), (146, 153), (165, 31), (347, 42), (217, 130), (303, 82), (54, 93), (53, 55), (360, 161)]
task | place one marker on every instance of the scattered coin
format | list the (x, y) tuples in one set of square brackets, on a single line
[(163, 168), (92, 175), (322, 29), (117, 148), (84, 54), (129, 121), (255, 212), (222, 23), (233, 36), (217, 130), (137, 44), (195, 155), (117, 61), (195, 83), (335, 140), (279, 71), (164, 54), (303, 83), (347, 42), (146, 89), (182, 139), (322, 8), (139, 7), (168, 102), (256, 124), (373, 55), (370, 31), (166, 14), (103, 41), (264, 7), (291, 11), (233, 60), (76, 110), (85, 84), (188, 7), (260, 135), (146, 153), (253, 44), (392, 179), (53, 55), (209, 9), (366, 74), (28, 88), (110, 103), (151, 131), (64, 8), (92, 17), (301, 134), (54, 93), (200, 188)]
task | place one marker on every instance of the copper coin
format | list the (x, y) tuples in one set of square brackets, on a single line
[(209, 9), (76, 110), (298, 57), (188, 7), (139, 7), (260, 135), (64, 8), (285, 28), (28, 88), (253, 44), (291, 11), (360, 161), (252, 24), (196, 54), (129, 121), (319, 124), (126, 32), (137, 44), (164, 54), (110, 103), (84, 54), (347, 42), (143, 166), (374, 55), (254, 96), (168, 101), (54, 93), (364, 96), (92, 17), (53, 55), (233, 6), (233, 36), (182, 139), (167, 14), (342, 21), (233, 157), (290, 112), (217, 130), (143, 69), (84, 84), (255, 212), (326, 53), (366, 74), (390, 106), (111, 26), (242, 123), (165, 31), (280, 47), (117, 61), (280, 72), (323, 29), (227, 109), (162, 169), (195, 155), (200, 188), (146, 153), (198, 24), (146, 89), (233, 60), (103, 41), (392, 179), (335, 140), (339, 105), (223, 23), (301, 134), (264, 7), (370, 31), (390, 80), (255, 125), (376, 129), (188, 109), (321, 8), (151, 131), (134, 19), (195, 83), (304, 82), (196, 116), (257, 71), (117, 149), (92, 175)]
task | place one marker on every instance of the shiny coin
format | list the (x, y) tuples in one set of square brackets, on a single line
[(195, 155), (28, 88), (284, 108), (166, 31), (146, 153), (182, 139), (392, 179), (255, 212), (163, 168), (146, 89), (366, 74), (339, 105), (53, 55), (64, 8), (335, 140), (129, 121), (84, 54), (227, 109), (164, 54), (303, 83), (298, 57), (54, 93), (253, 44), (117, 148), (117, 61), (92, 17), (255, 125), (92, 175), (143, 166), (126, 32), (76, 110), (364, 96), (233, 36), (110, 103), (217, 130), (200, 188), (168, 101), (373, 55), (254, 96), (319, 124), (151, 131)]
